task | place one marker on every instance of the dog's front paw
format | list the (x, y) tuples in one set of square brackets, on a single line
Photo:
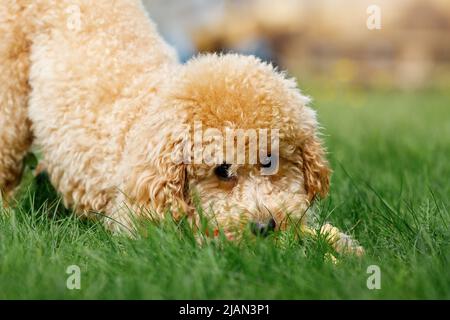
[(341, 242)]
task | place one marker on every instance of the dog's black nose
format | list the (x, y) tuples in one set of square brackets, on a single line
[(263, 229)]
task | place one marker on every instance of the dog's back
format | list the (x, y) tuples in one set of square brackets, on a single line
[(75, 75)]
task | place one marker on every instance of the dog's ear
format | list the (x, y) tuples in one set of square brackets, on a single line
[(316, 171), (157, 182), (310, 150)]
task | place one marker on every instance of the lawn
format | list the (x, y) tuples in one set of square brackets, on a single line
[(390, 189)]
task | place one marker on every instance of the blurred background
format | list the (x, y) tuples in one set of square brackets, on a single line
[(323, 41)]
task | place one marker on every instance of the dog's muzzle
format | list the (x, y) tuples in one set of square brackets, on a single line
[(263, 229)]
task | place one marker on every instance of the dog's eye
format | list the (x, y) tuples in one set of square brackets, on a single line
[(222, 172), (267, 162)]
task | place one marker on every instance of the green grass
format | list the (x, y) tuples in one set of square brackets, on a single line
[(390, 189)]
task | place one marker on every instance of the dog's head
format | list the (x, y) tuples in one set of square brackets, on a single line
[(238, 135)]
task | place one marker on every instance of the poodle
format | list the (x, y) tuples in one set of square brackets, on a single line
[(94, 86)]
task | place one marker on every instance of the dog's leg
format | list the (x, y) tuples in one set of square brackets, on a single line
[(341, 242), (15, 135)]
